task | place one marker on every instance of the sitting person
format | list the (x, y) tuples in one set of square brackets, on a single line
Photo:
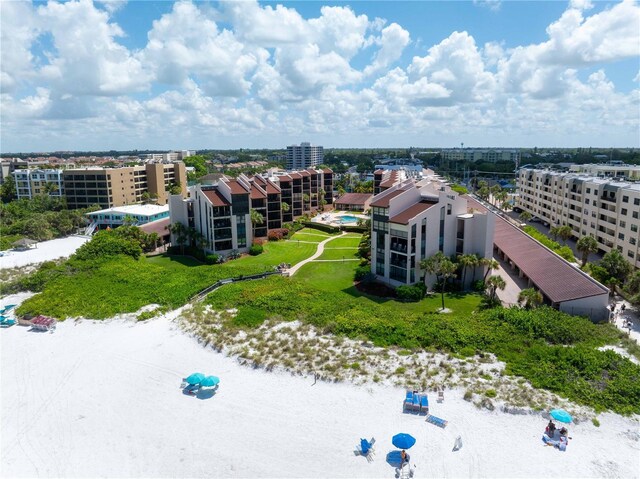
[(564, 431), (551, 429), (404, 458)]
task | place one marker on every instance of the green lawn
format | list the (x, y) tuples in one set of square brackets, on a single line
[(344, 242), (124, 285), (340, 254), (315, 236)]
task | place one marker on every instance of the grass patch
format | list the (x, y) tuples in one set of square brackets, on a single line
[(340, 254), (344, 242)]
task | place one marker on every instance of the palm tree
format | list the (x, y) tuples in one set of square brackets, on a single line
[(285, 207), (467, 261), (491, 265), (181, 233), (586, 245), (483, 190), (442, 267), (562, 232), (495, 283), (256, 219), (530, 298), (525, 216), (321, 200)]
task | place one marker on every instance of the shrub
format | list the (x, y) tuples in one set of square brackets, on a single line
[(362, 272), (409, 293), (107, 243), (277, 234), (249, 317), (490, 393), (256, 249), (468, 395), (595, 422), (479, 285), (212, 259), (320, 226)]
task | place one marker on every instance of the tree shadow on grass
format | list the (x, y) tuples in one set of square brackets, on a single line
[(356, 293), (183, 260)]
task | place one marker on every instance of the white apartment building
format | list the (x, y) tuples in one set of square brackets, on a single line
[(490, 155), (606, 209), (30, 183), (305, 155), (413, 220), (610, 170)]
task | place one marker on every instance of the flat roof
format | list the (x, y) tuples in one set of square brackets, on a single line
[(140, 210), (412, 211), (553, 276)]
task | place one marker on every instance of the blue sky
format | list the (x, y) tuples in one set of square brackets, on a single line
[(241, 74)]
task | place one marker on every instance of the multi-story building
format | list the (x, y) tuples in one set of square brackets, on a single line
[(489, 155), (611, 170), (304, 156), (108, 187), (30, 183), (607, 209), (220, 208), (135, 214), (413, 220)]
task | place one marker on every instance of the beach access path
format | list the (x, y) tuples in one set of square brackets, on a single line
[(315, 256)]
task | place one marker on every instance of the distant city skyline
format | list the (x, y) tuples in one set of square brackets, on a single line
[(118, 75)]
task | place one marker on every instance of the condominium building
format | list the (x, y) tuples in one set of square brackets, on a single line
[(413, 220), (108, 187), (30, 183), (606, 209), (220, 209), (488, 155), (304, 156), (610, 170)]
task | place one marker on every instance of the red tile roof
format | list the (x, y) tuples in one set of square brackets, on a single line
[(272, 188), (354, 198), (553, 276), (284, 178), (257, 193), (236, 187), (327, 170), (216, 198), (295, 175), (304, 173), (383, 202), (411, 212)]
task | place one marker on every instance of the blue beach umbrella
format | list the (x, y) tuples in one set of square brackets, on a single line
[(195, 378), (403, 441), (210, 381), (561, 415)]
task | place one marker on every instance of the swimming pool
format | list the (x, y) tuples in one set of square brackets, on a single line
[(347, 219)]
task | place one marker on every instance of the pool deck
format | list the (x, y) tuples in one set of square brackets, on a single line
[(333, 218)]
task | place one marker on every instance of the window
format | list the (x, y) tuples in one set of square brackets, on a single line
[(623, 211), (636, 201), (586, 201), (623, 224), (448, 209), (625, 199), (630, 254), (632, 241), (634, 228), (635, 215), (588, 190), (621, 236)]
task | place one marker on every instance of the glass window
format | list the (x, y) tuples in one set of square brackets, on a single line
[(625, 199)]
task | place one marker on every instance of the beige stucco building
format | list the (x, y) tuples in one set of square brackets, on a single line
[(607, 209)]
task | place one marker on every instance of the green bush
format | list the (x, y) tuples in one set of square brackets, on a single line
[(479, 286), (409, 293), (107, 243), (321, 226), (255, 249), (212, 259), (595, 422), (249, 317), (563, 251), (490, 393), (362, 272)]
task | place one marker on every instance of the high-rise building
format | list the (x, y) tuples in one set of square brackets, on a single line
[(304, 156), (605, 208)]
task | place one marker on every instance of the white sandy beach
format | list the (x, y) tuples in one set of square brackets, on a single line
[(46, 251), (102, 399)]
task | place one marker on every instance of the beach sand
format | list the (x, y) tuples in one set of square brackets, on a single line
[(45, 251), (102, 399)]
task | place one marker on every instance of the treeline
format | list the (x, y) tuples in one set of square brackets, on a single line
[(40, 218)]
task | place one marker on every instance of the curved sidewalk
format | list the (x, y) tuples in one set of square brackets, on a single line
[(317, 254)]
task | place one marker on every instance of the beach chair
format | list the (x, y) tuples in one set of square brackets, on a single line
[(367, 449), (436, 421), (440, 395), (408, 401), (424, 404), (6, 322)]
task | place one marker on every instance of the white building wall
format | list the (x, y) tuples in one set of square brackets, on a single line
[(595, 307)]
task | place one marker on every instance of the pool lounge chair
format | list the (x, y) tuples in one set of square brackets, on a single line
[(6, 322), (7, 308), (437, 421), (366, 448)]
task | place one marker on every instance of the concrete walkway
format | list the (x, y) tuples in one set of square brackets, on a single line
[(317, 254)]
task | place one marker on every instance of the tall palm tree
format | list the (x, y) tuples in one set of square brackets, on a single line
[(181, 233), (442, 267), (525, 216), (467, 261), (530, 298), (586, 245), (495, 283), (562, 232), (491, 265), (256, 219)]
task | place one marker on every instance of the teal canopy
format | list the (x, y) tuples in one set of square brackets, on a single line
[(195, 378), (561, 415), (210, 381)]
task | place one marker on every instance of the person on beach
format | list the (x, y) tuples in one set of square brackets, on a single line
[(551, 429), (404, 456)]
